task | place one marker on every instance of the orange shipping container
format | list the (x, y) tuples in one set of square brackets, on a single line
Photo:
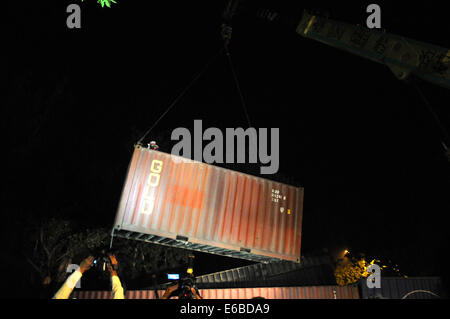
[(315, 292), (177, 202)]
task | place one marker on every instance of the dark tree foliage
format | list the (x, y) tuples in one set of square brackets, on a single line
[(52, 245)]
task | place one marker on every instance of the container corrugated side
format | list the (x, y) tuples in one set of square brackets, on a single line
[(178, 202), (315, 292)]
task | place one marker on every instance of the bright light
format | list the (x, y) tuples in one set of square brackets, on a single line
[(346, 252)]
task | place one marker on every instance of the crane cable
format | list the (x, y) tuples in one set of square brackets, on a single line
[(229, 13), (226, 35), (182, 93), (445, 137), (236, 82)]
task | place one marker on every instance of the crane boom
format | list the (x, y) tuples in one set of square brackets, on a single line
[(403, 56), (407, 58)]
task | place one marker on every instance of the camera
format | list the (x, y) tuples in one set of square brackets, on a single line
[(185, 283), (185, 286), (173, 276), (102, 262)]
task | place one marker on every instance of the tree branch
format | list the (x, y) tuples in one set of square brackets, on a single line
[(57, 246), (45, 248), (62, 256), (34, 265), (42, 242)]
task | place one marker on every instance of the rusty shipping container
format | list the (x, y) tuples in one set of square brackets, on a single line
[(315, 292), (178, 202)]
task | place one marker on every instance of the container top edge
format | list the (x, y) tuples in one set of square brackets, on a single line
[(184, 159)]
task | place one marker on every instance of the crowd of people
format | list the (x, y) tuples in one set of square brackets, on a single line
[(117, 290)]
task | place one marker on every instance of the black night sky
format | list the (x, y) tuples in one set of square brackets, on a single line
[(361, 143)]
